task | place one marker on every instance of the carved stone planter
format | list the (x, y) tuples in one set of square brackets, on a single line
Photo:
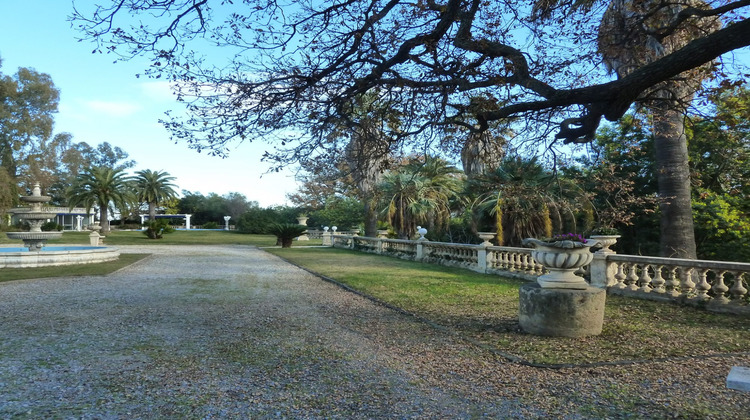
[(561, 259), (486, 237), (605, 241)]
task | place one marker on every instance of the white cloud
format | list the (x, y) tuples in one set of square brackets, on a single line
[(114, 109), (161, 91)]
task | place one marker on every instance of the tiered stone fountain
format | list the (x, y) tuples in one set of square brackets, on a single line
[(35, 253), (35, 239)]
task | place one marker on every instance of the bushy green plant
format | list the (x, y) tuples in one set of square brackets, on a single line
[(155, 229), (51, 226), (210, 225), (286, 232), (605, 231)]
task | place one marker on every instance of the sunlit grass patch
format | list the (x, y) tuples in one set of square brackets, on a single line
[(485, 308)]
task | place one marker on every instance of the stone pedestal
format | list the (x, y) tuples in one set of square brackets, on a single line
[(302, 220), (561, 312)]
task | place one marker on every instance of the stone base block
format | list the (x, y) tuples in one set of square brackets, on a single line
[(739, 378), (561, 312)]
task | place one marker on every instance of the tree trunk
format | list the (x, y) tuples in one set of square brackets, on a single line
[(677, 237), (371, 219), (151, 211), (103, 221)]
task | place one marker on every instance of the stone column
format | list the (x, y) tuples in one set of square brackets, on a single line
[(187, 221), (602, 272), (482, 259), (326, 237)]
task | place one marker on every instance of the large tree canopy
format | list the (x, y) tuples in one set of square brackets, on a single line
[(27, 101), (452, 64)]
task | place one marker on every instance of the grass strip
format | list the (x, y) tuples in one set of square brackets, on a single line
[(484, 308), (97, 269)]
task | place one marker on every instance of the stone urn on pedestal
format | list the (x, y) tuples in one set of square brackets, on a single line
[(486, 237), (605, 241), (561, 303), (302, 220)]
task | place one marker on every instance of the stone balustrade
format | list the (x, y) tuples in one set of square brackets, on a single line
[(508, 261), (720, 286)]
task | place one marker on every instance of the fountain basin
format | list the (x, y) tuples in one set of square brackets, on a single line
[(18, 257), (35, 215), (34, 235)]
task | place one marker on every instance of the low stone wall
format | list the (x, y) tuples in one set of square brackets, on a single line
[(54, 256)]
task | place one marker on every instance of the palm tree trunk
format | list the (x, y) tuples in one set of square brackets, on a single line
[(371, 219), (677, 237), (103, 221), (151, 211)]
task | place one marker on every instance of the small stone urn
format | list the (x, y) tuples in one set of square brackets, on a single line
[(486, 237), (302, 220), (605, 241)]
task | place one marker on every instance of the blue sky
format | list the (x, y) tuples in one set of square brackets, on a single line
[(102, 101)]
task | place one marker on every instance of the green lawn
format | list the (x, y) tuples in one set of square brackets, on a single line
[(485, 308), (180, 237), (98, 269)]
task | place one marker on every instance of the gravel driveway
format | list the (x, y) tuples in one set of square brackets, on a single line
[(233, 332)]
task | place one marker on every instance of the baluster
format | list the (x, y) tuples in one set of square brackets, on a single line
[(620, 276), (658, 281), (645, 279), (703, 286), (632, 278), (686, 285), (673, 284), (491, 255), (738, 291), (720, 289), (536, 268), (529, 266)]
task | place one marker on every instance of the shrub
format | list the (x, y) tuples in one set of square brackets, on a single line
[(155, 229), (286, 232), (51, 226), (210, 225)]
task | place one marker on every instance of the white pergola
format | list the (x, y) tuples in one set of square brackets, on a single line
[(187, 217)]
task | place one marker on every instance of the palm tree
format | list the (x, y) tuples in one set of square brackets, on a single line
[(101, 187), (419, 193), (525, 200), (154, 187), (631, 35)]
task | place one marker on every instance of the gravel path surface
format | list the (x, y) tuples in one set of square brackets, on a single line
[(233, 332)]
